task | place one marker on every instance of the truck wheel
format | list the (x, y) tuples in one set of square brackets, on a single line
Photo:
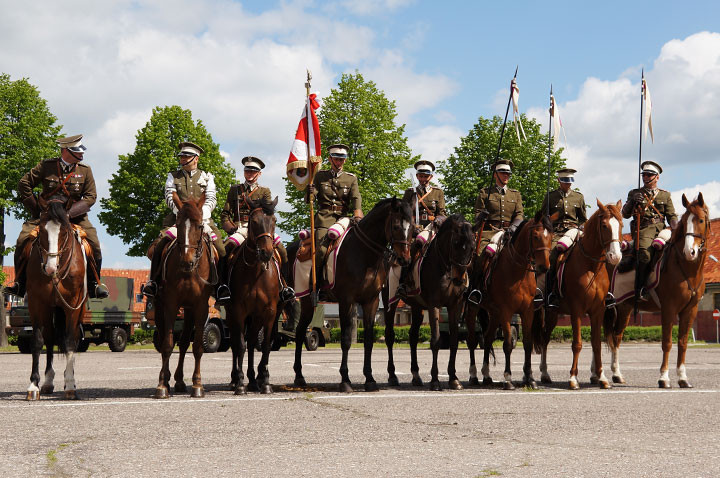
[(513, 336), (212, 336), (24, 345), (118, 339), (312, 340), (444, 340)]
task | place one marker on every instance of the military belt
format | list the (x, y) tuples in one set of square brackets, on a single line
[(337, 209), (645, 222), (499, 224)]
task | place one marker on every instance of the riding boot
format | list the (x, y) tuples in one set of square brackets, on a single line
[(552, 301), (222, 292), (641, 278), (474, 293), (96, 290), (18, 288), (150, 289)]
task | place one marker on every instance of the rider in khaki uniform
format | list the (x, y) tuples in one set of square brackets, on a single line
[(65, 174), (496, 208), (654, 207), (337, 195), (188, 182), (236, 215), (570, 205), (431, 198)]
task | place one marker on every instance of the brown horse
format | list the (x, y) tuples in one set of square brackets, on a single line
[(368, 250), (188, 279), (255, 285), (56, 294), (585, 286), (677, 294), (442, 284), (511, 290)]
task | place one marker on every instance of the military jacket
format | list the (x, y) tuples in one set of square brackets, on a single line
[(337, 196), (188, 185), (502, 208), (236, 211), (659, 209), (571, 207), (432, 202), (50, 174)]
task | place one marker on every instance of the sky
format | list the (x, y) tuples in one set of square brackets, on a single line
[(240, 68)]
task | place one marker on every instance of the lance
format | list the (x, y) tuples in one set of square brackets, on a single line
[(547, 191), (313, 285), (417, 201), (638, 215)]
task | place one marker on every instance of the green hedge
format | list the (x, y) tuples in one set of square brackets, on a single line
[(141, 336)]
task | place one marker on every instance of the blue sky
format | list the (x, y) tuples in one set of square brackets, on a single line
[(239, 66)]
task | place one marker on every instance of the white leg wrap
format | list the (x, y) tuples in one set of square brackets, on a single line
[(681, 372), (664, 376), (573, 380), (70, 371)]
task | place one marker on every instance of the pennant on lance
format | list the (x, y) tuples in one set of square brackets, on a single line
[(556, 124), (647, 116), (305, 155), (516, 110)]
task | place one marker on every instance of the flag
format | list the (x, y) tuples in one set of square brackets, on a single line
[(515, 92), (556, 124), (647, 115), (305, 156)]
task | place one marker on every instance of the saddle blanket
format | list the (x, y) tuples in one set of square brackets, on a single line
[(394, 281), (622, 284), (302, 270)]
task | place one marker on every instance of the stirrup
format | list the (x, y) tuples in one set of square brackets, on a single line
[(98, 290), (610, 301), (643, 293), (222, 294), (552, 301), (539, 299), (17, 289), (474, 296), (149, 290), (287, 294), (401, 291)]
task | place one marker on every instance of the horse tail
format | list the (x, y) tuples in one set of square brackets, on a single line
[(539, 335)]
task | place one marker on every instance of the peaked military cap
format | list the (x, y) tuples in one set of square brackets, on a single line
[(73, 143), (424, 166), (252, 163), (566, 175), (338, 151), (189, 149), (503, 165), (651, 167)]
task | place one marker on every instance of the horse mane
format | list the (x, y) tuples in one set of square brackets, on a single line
[(450, 220), (56, 210), (267, 206), (384, 203), (518, 231), (191, 211)]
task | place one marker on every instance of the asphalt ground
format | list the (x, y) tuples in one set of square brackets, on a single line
[(118, 429)]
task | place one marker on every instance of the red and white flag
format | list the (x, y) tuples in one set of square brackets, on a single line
[(305, 155), (515, 93), (647, 115), (556, 124)]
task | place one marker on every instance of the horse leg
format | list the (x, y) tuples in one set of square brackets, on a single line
[(346, 319), (576, 348), (453, 316), (390, 339), (183, 345), (687, 317), (72, 338), (615, 322), (527, 323), (263, 371), (306, 315), (369, 309), (435, 347), (488, 338), (252, 340), (596, 339), (471, 341), (507, 348), (167, 323), (414, 336), (33, 391), (197, 390), (551, 318), (48, 386), (667, 323), (240, 345)]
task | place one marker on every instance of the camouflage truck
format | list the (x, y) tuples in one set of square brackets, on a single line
[(110, 320)]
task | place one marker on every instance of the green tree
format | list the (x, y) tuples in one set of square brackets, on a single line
[(359, 115), (469, 168), (136, 206)]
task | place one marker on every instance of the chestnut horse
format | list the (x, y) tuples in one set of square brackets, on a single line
[(56, 294), (511, 291), (368, 250), (585, 285), (677, 294), (255, 285), (188, 272), (442, 284)]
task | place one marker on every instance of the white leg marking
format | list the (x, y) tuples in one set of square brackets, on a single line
[(33, 388), (53, 231), (473, 371), (544, 375), (614, 254), (573, 380), (615, 367), (603, 378), (592, 368), (664, 377), (508, 377), (70, 371), (681, 372)]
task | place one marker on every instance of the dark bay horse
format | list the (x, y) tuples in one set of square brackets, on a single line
[(187, 282), (442, 284), (511, 290), (585, 286), (255, 285), (677, 294), (369, 248), (56, 294)]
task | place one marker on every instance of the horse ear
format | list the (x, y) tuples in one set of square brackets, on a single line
[(176, 200), (619, 204), (275, 202), (685, 201), (600, 205), (538, 215), (701, 201)]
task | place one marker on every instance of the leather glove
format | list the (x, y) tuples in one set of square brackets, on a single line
[(312, 192), (31, 205), (438, 221), (638, 198), (229, 227), (78, 208)]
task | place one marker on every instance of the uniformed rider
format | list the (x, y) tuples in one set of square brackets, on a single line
[(188, 182), (67, 175), (235, 215), (427, 199), (337, 194), (569, 205), (653, 206), (497, 208)]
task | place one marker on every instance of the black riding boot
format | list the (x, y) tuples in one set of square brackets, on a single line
[(552, 300), (18, 288), (150, 289), (641, 278), (96, 290), (222, 293)]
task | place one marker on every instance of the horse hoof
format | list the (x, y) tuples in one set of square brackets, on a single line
[(240, 390), (663, 384), (33, 395), (532, 385), (233, 385), (393, 381), (545, 379), (266, 389), (417, 381), (594, 380), (455, 384), (300, 381), (345, 387), (161, 392), (488, 382), (435, 386), (574, 385), (71, 395), (371, 387), (684, 384), (253, 387), (197, 392), (47, 390), (618, 379), (605, 385), (180, 387), (474, 381), (508, 386)]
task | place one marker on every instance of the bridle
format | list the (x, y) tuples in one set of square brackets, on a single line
[(529, 258), (603, 244), (254, 239), (388, 250), (447, 265), (199, 252)]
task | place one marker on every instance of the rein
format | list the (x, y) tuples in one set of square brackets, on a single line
[(386, 251), (254, 240), (45, 255), (676, 246), (529, 257), (199, 252)]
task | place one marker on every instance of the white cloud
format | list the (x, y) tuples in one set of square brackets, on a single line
[(435, 143), (710, 192), (374, 7)]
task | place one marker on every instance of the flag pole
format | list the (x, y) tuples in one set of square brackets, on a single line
[(547, 190), (313, 285), (638, 216)]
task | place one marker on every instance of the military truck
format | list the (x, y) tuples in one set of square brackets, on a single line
[(462, 330), (110, 320)]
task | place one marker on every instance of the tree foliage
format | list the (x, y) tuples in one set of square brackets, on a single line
[(136, 206), (359, 115), (468, 170)]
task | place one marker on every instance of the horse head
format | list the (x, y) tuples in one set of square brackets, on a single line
[(54, 219), (261, 228), (540, 231), (190, 231), (609, 222), (694, 226), (398, 229), (456, 235)]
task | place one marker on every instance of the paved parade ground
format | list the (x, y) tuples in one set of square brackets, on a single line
[(117, 429)]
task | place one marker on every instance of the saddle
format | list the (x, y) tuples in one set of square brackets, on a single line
[(166, 249), (27, 246)]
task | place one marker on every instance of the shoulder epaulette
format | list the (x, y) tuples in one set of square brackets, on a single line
[(50, 160), (350, 174), (513, 190)]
